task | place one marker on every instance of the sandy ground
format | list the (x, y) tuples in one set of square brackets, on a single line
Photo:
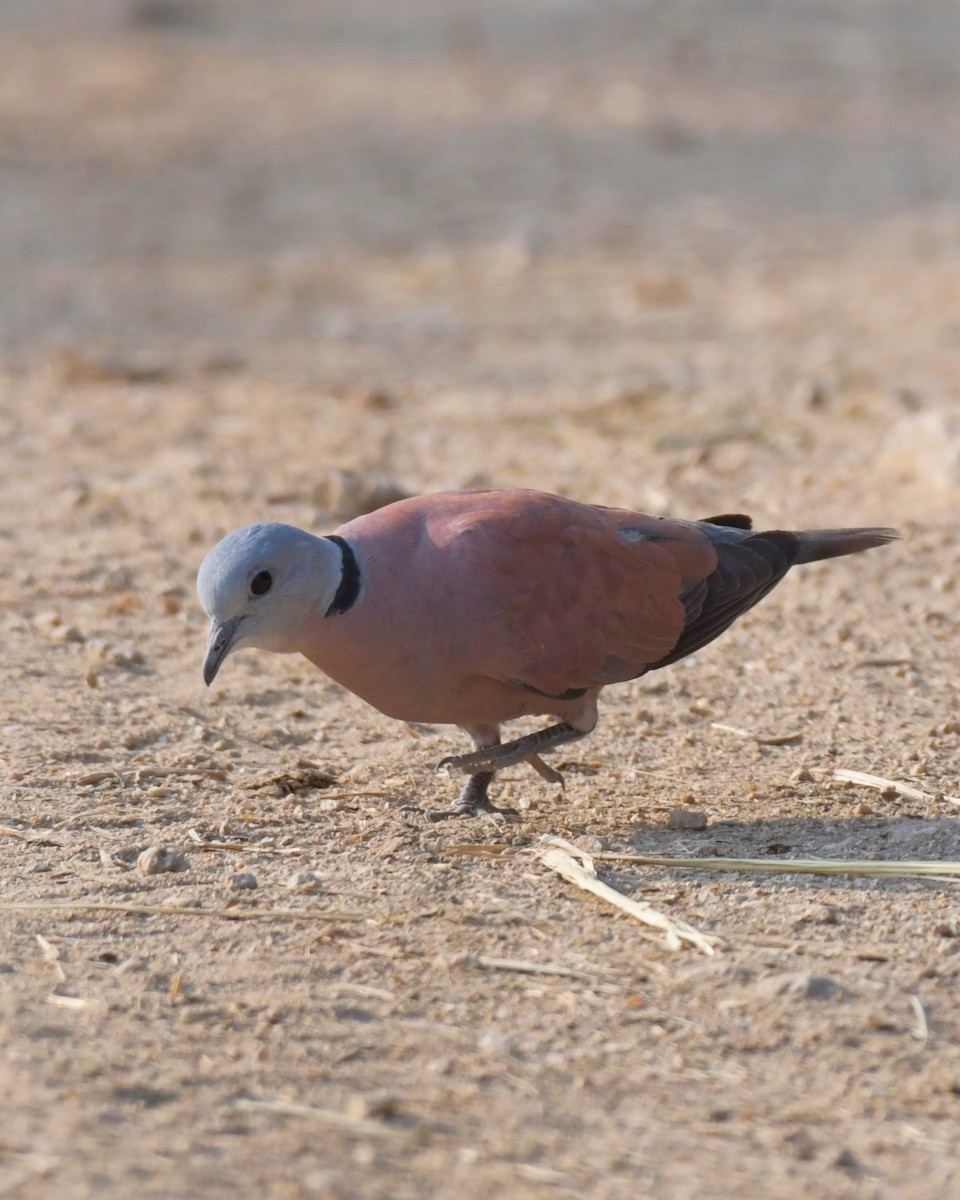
[(264, 260)]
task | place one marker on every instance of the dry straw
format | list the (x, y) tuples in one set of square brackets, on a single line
[(561, 856), (176, 910), (901, 869)]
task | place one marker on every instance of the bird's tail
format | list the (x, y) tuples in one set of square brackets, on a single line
[(832, 543)]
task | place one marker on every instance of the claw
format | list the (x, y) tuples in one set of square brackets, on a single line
[(544, 771), (466, 764)]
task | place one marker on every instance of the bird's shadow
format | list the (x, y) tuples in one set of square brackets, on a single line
[(850, 840)]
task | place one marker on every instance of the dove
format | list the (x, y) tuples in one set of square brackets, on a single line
[(475, 608)]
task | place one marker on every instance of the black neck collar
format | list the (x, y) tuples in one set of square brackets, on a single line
[(349, 588)]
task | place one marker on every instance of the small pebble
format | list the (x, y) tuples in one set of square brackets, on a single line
[(846, 1160), (378, 1104), (376, 400), (123, 656), (156, 860), (243, 881), (68, 633), (799, 984), (346, 494), (307, 882), (391, 846), (51, 623), (492, 1042), (118, 580), (686, 818), (124, 604)]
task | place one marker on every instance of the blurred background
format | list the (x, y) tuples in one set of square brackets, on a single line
[(229, 178), (661, 255)]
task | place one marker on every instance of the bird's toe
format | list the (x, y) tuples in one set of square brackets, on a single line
[(466, 764)]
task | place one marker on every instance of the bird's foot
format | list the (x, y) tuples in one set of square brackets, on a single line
[(472, 802), (528, 748), (480, 808)]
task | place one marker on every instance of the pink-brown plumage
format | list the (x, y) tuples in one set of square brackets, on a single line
[(476, 591), (475, 608)]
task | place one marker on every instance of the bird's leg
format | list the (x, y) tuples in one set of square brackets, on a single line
[(473, 798), (472, 801), (494, 757)]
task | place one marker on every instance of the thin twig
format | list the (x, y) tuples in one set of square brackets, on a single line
[(882, 662), (31, 835), (921, 1030), (361, 989), (138, 773), (75, 1002), (173, 910), (358, 795), (51, 955), (242, 847), (482, 849), (773, 739), (798, 866), (524, 967), (358, 1126), (558, 855), (104, 810), (907, 790)]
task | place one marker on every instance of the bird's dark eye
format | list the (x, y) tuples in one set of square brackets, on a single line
[(261, 583)]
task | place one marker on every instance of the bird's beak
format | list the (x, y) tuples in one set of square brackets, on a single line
[(220, 643)]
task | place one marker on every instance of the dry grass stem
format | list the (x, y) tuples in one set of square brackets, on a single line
[(362, 989), (921, 1030), (242, 847), (51, 955), (357, 1126), (173, 910), (74, 1002), (907, 790), (376, 795), (798, 866), (883, 662), (136, 774), (482, 849), (534, 1173), (524, 967), (31, 835), (560, 856), (107, 811), (773, 739)]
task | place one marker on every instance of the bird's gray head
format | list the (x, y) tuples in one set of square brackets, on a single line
[(260, 584)]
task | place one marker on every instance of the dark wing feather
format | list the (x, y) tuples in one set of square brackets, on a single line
[(746, 572), (584, 596), (730, 521)]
